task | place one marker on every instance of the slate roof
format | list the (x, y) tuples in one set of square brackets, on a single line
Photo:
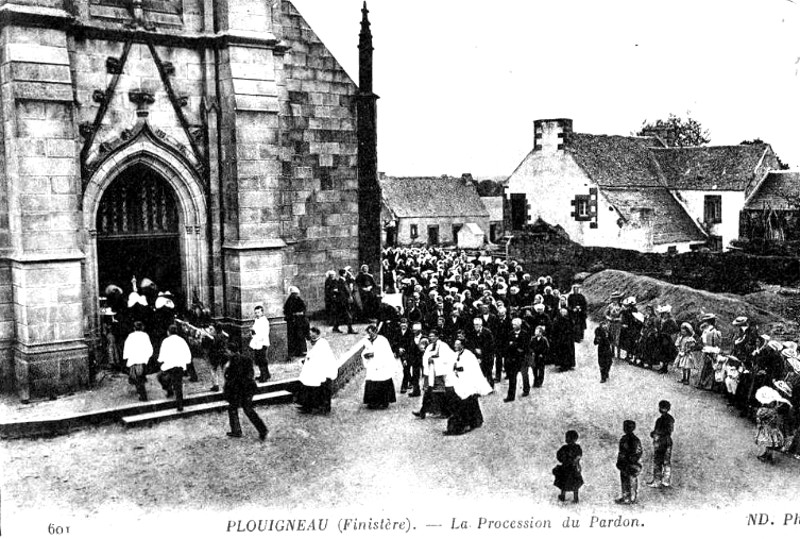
[(629, 176), (494, 205), (670, 222), (615, 161), (431, 197), (775, 191), (705, 168)]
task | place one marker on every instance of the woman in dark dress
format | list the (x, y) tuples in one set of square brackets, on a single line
[(646, 349), (630, 331), (294, 310), (563, 341), (567, 474)]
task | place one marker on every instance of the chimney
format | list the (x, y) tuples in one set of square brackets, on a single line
[(548, 135)]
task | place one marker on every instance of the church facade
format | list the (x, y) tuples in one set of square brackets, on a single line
[(215, 147)]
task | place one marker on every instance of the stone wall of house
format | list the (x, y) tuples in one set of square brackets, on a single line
[(445, 225), (732, 203)]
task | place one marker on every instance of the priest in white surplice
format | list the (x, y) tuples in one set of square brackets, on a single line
[(381, 365), (320, 369), (469, 384)]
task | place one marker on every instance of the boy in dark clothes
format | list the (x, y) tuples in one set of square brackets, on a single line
[(540, 348), (605, 351), (628, 463), (662, 446)]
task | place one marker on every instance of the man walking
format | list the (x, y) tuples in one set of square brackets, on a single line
[(174, 356), (516, 353), (239, 390)]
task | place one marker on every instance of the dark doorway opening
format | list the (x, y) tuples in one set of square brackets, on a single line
[(138, 234), (519, 211)]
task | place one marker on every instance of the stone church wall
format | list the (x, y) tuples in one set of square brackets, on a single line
[(252, 105)]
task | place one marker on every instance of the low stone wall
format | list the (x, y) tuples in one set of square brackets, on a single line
[(349, 367), (729, 272)]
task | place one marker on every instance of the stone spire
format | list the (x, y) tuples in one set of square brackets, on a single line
[(365, 49), (369, 192)]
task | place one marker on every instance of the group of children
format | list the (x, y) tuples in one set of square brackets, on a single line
[(568, 475)]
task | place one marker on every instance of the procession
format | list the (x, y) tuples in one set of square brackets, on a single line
[(453, 269)]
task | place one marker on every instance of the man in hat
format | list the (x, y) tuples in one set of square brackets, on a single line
[(710, 340), (576, 304)]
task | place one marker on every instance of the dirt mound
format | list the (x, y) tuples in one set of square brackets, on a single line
[(687, 303)]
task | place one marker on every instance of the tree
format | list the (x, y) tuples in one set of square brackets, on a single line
[(757, 141), (676, 132)]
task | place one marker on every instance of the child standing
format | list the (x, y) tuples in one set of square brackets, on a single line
[(628, 463), (685, 344), (662, 446), (605, 350), (568, 472)]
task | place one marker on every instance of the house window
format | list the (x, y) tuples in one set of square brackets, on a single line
[(433, 235), (672, 250), (414, 231), (713, 209), (493, 232), (583, 208), (456, 228)]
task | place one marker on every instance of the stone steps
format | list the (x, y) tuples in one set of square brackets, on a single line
[(273, 397), (71, 422)]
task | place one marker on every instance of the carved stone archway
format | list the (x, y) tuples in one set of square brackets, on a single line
[(147, 149)]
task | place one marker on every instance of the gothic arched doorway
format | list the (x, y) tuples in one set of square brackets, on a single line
[(138, 232)]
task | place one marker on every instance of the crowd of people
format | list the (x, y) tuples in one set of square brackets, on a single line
[(457, 325), (758, 375)]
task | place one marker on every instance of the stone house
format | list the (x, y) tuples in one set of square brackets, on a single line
[(429, 211), (604, 191), (633, 192), (494, 205), (772, 209), (215, 147), (711, 182)]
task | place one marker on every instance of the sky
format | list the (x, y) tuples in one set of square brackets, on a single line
[(461, 81)]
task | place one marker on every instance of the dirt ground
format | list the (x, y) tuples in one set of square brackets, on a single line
[(390, 460)]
